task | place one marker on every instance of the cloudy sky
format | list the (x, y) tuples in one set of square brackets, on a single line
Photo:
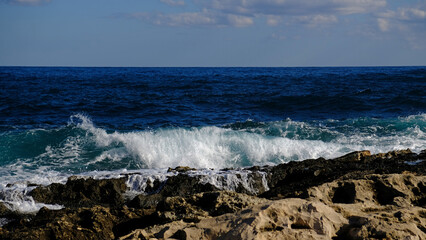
[(212, 32)]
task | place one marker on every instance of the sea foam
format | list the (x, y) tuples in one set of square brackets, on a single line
[(218, 147)]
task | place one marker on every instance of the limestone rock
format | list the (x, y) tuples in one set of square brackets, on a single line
[(283, 219), (85, 223), (378, 206), (374, 207), (222, 202), (79, 192), (181, 169), (294, 178), (145, 201), (354, 156), (203, 205), (184, 185), (356, 196)]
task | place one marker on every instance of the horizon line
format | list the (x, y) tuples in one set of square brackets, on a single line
[(318, 66)]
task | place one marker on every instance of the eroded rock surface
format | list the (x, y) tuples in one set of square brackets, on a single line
[(282, 219), (293, 179), (343, 209), (80, 192), (356, 196)]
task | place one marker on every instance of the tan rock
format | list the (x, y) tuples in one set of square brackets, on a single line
[(283, 219), (354, 156), (381, 206), (374, 207)]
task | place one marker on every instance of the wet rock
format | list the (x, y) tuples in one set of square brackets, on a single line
[(184, 185), (257, 186), (294, 178), (97, 222), (202, 205), (341, 209), (356, 196), (153, 186), (399, 154), (145, 201), (84, 223), (4, 211), (354, 156), (181, 169), (79, 192)]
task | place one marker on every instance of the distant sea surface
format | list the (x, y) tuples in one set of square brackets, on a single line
[(64, 121)]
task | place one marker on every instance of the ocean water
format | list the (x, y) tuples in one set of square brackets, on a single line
[(103, 122)]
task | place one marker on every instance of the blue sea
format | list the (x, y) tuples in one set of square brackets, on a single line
[(56, 122)]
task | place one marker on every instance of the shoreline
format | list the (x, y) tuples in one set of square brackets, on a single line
[(357, 195)]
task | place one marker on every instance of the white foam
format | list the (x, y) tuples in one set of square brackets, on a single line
[(205, 147), (16, 198), (4, 221), (231, 180), (215, 147)]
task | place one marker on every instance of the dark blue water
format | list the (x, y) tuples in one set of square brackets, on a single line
[(74, 120), (141, 98)]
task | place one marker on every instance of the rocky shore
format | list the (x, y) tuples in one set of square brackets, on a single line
[(356, 196)]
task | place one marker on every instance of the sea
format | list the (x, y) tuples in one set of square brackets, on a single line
[(57, 122)]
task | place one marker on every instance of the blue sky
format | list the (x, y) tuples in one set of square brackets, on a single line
[(212, 32)]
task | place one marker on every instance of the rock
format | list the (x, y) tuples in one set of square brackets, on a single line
[(184, 185), (354, 156), (294, 178), (4, 211), (177, 208), (356, 196), (400, 190), (202, 205), (222, 202), (181, 169), (153, 187), (283, 219), (85, 223), (145, 201), (377, 206), (79, 192), (97, 222), (342, 209), (396, 154)]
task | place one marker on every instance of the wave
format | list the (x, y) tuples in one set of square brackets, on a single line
[(82, 146), (44, 156)]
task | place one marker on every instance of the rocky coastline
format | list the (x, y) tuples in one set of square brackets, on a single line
[(356, 196)]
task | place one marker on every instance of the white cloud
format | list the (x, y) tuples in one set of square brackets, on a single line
[(273, 20), (307, 20), (26, 2), (411, 14), (315, 20), (278, 36), (173, 2), (204, 18), (402, 18), (245, 12), (383, 24), (293, 7), (408, 22)]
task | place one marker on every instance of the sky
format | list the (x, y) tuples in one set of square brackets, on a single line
[(212, 33)]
